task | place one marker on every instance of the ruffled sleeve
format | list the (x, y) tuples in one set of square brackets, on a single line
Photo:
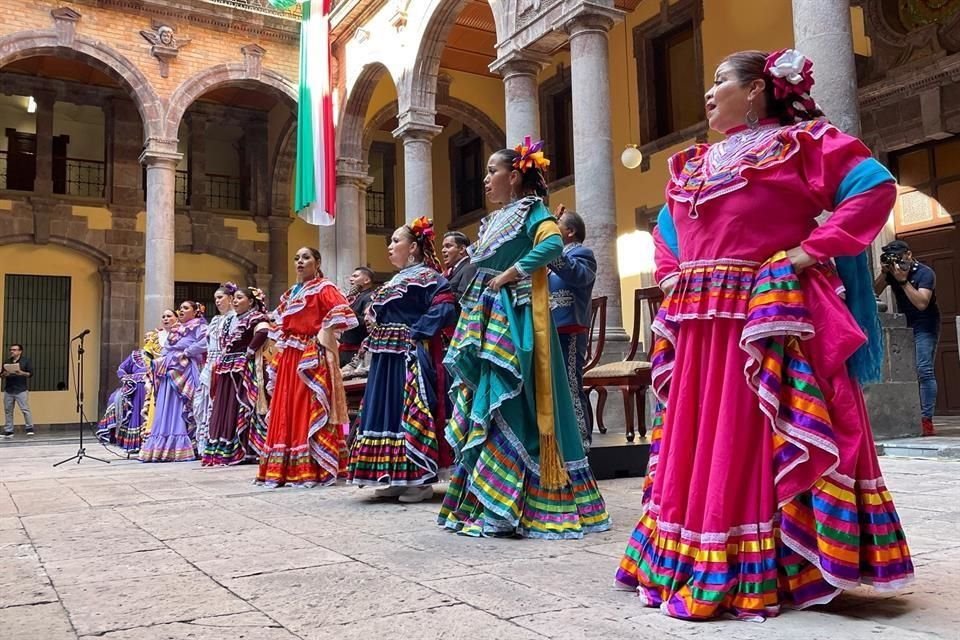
[(335, 310), (845, 179)]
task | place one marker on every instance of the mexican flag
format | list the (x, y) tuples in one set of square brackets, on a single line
[(315, 171)]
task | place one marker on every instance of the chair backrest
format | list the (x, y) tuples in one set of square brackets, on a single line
[(597, 338), (649, 298)]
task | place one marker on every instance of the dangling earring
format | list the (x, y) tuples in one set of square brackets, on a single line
[(753, 121), (411, 260)]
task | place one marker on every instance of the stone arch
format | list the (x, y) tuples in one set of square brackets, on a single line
[(352, 123), (422, 78), (27, 44), (218, 76), (491, 133), (98, 256)]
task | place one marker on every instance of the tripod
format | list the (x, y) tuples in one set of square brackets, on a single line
[(82, 451)]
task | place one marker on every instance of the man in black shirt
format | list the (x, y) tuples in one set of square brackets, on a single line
[(361, 291), (914, 287), (458, 270), (15, 389)]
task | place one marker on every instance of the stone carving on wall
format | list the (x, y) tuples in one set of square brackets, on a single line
[(165, 45), (907, 34)]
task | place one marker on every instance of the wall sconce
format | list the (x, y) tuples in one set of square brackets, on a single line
[(31, 105)]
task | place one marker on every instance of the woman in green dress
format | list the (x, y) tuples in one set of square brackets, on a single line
[(520, 465)]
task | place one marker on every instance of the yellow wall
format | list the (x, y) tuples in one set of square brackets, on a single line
[(196, 267), (58, 407)]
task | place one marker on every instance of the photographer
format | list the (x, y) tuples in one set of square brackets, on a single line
[(913, 287)]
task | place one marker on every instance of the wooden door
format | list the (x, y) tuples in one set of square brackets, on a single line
[(940, 250)]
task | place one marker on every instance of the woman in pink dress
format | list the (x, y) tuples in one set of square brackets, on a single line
[(764, 489)]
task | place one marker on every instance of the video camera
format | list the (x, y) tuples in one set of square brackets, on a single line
[(890, 258)]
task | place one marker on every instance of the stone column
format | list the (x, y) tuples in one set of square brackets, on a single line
[(352, 183), (43, 179), (118, 321), (161, 231), (417, 135), (593, 157), (197, 148), (521, 90), (279, 224), (822, 31)]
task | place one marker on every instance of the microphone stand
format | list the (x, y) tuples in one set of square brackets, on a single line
[(82, 451)]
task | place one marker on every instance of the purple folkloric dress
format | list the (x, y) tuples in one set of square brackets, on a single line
[(177, 374), (763, 489), (238, 427), (123, 421), (202, 402)]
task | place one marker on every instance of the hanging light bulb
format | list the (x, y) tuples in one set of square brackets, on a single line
[(631, 157)]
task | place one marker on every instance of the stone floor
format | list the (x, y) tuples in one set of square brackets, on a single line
[(162, 552)]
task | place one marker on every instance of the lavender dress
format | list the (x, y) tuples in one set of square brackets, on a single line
[(177, 375), (124, 418)]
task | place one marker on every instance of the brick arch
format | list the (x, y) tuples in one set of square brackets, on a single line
[(352, 124), (491, 133), (97, 54), (222, 75)]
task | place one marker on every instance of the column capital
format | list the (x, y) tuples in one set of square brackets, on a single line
[(590, 18), (519, 63), (45, 98), (412, 131), (160, 158), (277, 222)]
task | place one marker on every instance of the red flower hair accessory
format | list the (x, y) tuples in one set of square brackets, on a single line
[(531, 155), (792, 76), (422, 227)]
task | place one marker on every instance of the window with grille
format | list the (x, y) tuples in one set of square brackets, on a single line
[(669, 54), (36, 314), (199, 292), (467, 164), (557, 123)]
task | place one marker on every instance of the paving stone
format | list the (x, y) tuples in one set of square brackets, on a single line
[(177, 520), (594, 582), (408, 563), (303, 600), (97, 607), (456, 622), (10, 523), (24, 582), (587, 624), (241, 626), (119, 566), (502, 598), (37, 622)]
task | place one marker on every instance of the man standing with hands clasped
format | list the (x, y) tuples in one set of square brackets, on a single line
[(914, 287), (17, 369)]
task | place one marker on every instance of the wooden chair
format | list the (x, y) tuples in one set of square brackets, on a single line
[(596, 340), (630, 375)]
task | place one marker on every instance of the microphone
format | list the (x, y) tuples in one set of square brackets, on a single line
[(80, 335)]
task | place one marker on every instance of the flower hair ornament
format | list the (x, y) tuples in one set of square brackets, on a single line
[(792, 76), (530, 155), (229, 288), (422, 227)]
